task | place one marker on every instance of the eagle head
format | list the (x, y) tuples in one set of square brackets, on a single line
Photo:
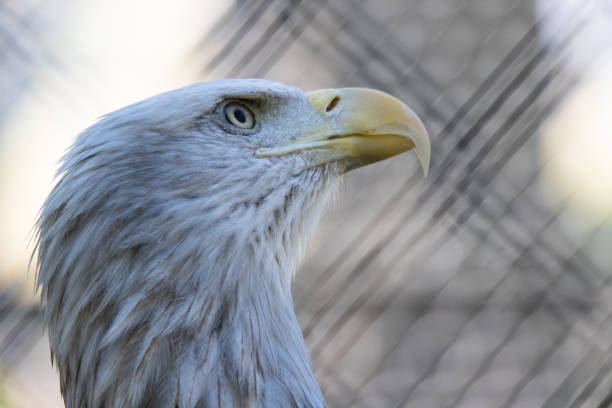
[(166, 249)]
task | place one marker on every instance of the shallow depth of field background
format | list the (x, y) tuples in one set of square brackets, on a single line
[(487, 284)]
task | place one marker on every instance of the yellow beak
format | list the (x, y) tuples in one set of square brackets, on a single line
[(364, 125)]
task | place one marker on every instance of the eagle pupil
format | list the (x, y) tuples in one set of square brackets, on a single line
[(240, 116)]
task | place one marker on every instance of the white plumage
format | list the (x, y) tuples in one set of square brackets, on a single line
[(167, 247)]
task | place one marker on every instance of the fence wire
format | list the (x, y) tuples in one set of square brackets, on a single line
[(462, 289)]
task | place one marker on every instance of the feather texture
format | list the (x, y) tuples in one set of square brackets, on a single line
[(165, 254)]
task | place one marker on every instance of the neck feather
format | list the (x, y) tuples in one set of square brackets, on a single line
[(185, 324)]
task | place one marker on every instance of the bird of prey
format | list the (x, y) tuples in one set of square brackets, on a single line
[(166, 250)]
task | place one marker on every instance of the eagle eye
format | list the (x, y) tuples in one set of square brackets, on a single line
[(239, 115)]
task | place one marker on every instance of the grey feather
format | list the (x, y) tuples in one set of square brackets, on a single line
[(165, 254)]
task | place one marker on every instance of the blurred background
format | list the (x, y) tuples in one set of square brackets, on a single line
[(487, 284)]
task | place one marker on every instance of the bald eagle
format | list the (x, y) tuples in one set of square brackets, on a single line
[(166, 249)]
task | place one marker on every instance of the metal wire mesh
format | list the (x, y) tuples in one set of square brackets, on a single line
[(463, 289)]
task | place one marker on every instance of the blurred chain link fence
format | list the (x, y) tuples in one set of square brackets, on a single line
[(462, 289), (466, 288)]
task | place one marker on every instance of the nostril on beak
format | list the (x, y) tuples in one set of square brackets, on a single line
[(332, 104)]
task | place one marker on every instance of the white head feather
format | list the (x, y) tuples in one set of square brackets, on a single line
[(166, 250)]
